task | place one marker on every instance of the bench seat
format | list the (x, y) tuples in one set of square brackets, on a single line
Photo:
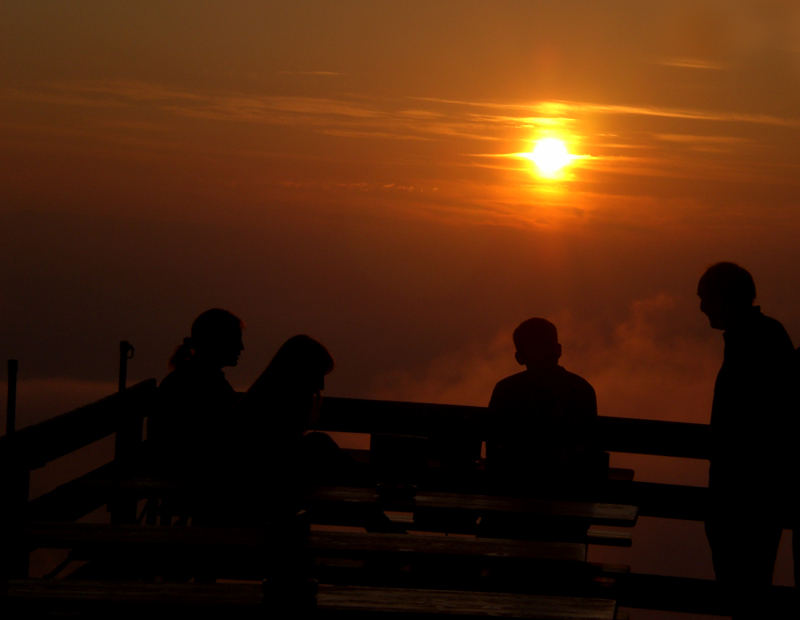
[(332, 600)]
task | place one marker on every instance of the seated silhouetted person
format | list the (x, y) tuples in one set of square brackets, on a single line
[(542, 421), (283, 405), (752, 475), (189, 433)]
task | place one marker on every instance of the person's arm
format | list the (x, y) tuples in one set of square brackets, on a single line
[(587, 447), (496, 406)]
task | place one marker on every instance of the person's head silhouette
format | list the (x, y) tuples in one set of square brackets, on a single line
[(293, 381), (536, 341), (301, 362), (215, 341), (726, 292)]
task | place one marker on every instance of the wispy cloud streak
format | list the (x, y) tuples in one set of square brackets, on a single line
[(465, 142), (692, 63), (312, 73), (578, 107)]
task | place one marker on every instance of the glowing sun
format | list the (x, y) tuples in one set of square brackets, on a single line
[(550, 155)]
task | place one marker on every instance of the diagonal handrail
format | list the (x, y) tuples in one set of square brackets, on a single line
[(36, 445)]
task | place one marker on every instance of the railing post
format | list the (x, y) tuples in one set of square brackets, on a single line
[(14, 488), (11, 400), (126, 351), (127, 444)]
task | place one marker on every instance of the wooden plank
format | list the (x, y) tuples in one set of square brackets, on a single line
[(459, 604), (331, 599), (657, 437), (357, 542), (634, 590), (104, 536), (612, 538), (183, 594), (101, 535), (640, 436), (600, 513), (358, 415), (362, 459), (46, 441), (669, 501)]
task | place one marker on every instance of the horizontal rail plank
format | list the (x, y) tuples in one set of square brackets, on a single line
[(640, 436), (600, 513), (36, 445)]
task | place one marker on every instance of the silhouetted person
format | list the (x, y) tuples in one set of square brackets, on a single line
[(196, 397), (752, 430), (189, 434), (541, 423), (283, 404)]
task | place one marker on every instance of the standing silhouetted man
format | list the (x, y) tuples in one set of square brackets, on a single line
[(751, 427)]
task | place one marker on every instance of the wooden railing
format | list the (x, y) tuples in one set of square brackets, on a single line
[(357, 415), (464, 423), (123, 414)]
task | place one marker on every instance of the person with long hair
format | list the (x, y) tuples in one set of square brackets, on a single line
[(209, 439), (283, 404)]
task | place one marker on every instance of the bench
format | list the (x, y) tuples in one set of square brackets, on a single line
[(332, 601), (369, 558), (346, 505)]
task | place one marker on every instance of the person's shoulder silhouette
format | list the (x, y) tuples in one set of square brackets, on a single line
[(541, 420), (195, 398), (754, 384)]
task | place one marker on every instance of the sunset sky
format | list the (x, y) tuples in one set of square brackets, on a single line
[(355, 171)]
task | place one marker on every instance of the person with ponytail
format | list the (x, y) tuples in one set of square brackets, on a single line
[(197, 402), (254, 456)]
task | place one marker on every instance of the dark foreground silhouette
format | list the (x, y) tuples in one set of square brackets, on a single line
[(247, 459), (254, 457), (753, 469), (540, 431), (196, 406)]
